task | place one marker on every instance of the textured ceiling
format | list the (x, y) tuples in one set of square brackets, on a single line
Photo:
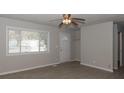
[(47, 18)]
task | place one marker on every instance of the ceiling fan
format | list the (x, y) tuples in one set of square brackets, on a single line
[(68, 20)]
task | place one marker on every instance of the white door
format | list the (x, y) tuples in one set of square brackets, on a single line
[(65, 46)]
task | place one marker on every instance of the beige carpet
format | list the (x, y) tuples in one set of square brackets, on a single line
[(69, 70)]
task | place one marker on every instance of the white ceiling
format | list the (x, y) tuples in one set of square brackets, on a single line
[(47, 18)]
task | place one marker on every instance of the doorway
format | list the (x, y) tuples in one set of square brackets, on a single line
[(121, 49), (65, 46)]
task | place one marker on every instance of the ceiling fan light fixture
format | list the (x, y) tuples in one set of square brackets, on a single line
[(66, 21)]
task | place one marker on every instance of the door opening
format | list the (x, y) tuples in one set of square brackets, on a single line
[(65, 46)]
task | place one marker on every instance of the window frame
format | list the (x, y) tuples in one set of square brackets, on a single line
[(19, 29)]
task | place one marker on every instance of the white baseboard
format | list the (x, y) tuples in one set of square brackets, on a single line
[(66, 61), (30, 68), (76, 60), (97, 67)]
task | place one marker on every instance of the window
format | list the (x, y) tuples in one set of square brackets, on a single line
[(21, 41), (30, 41), (43, 41), (14, 42)]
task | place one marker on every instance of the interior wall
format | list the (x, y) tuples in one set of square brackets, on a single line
[(75, 45), (97, 46), (115, 46), (122, 48), (13, 63)]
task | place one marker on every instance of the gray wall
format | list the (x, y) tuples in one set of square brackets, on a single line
[(97, 46), (115, 46), (122, 48), (75, 45), (12, 63)]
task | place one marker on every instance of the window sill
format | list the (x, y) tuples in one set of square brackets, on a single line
[(26, 53)]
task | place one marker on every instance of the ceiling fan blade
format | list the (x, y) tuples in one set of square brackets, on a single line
[(60, 25), (82, 22), (79, 19), (74, 23)]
